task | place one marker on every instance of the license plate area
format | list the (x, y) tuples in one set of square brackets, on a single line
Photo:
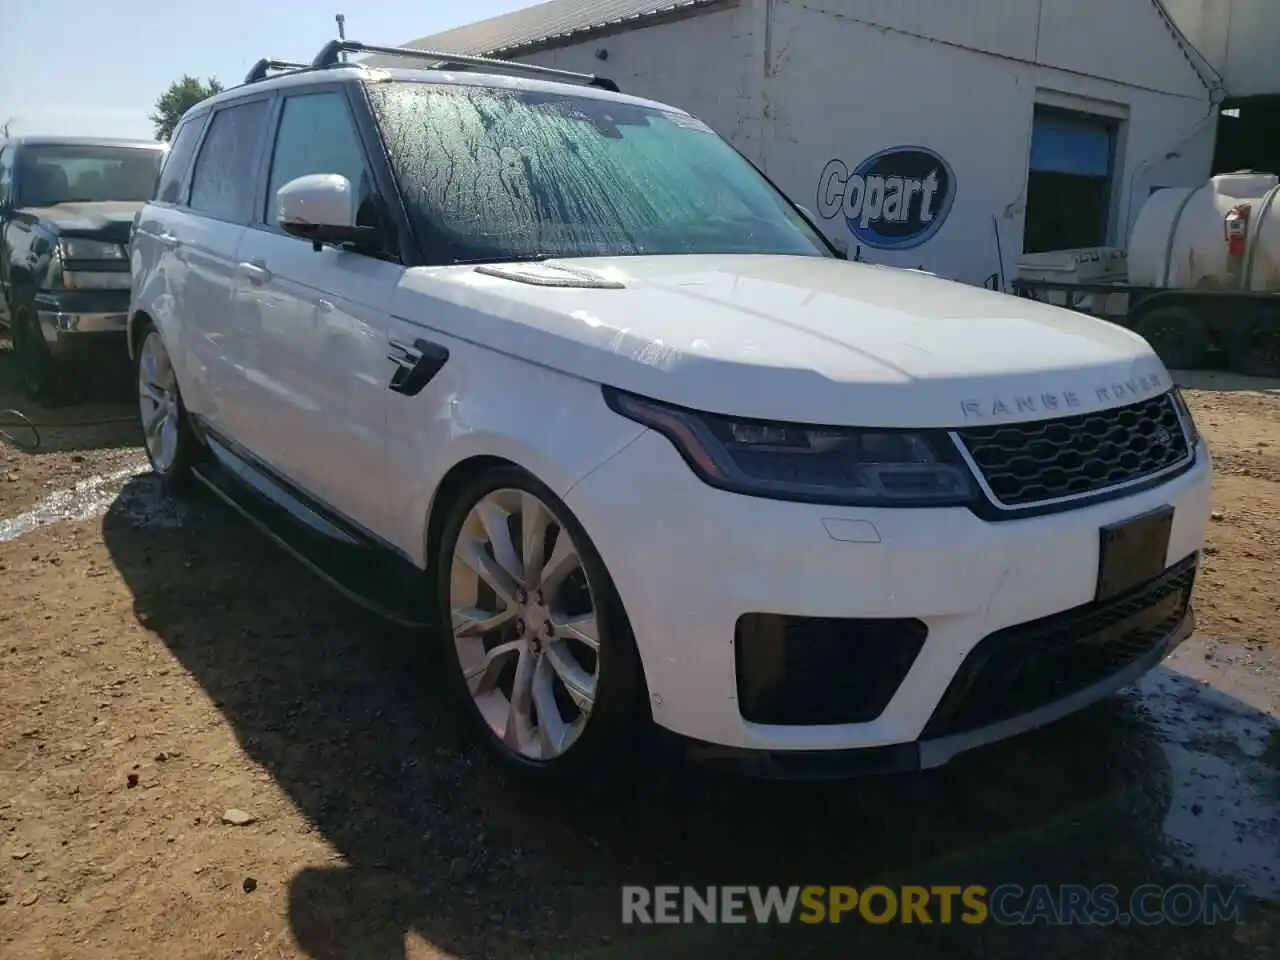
[(1133, 552)]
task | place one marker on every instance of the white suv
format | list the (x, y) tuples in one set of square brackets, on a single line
[(559, 375)]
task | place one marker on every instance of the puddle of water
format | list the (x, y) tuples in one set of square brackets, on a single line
[(141, 502), (1215, 717)]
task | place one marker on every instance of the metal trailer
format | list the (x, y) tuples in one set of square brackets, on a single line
[(1187, 328)]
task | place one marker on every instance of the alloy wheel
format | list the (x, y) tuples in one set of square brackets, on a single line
[(525, 624), (158, 403)]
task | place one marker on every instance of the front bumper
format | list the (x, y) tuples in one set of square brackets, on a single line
[(71, 321), (928, 752), (689, 561)]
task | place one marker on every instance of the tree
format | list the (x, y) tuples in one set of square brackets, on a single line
[(181, 96)]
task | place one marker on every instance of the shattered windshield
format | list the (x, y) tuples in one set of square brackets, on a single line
[(508, 174)]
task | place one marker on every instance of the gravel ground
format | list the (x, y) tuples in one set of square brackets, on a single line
[(205, 753)]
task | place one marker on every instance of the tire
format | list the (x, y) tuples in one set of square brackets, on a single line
[(502, 500), (1254, 346), (171, 445), (44, 380), (1177, 335)]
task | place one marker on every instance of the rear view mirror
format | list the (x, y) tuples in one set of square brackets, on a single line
[(321, 207)]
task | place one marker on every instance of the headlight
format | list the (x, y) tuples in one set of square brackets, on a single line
[(1184, 412), (76, 249), (834, 465)]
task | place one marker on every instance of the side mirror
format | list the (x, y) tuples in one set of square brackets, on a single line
[(321, 207)]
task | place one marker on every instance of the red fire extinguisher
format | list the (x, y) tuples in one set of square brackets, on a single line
[(1236, 229)]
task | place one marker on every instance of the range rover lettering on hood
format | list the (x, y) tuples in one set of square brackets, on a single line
[(1066, 400)]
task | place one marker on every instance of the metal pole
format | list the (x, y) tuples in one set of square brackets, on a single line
[(342, 32)]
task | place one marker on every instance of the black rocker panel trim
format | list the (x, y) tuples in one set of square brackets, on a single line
[(367, 570)]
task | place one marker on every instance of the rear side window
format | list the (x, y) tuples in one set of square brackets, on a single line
[(173, 175), (223, 182)]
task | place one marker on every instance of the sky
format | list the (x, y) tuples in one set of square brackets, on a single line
[(96, 67)]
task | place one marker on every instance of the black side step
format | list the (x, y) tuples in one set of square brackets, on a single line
[(365, 573)]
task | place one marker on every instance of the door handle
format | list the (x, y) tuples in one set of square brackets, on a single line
[(169, 240), (416, 365), (254, 272)]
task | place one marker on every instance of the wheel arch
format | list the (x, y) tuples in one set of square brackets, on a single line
[(559, 464), (446, 494), (137, 320)]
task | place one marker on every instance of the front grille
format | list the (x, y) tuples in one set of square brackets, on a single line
[(814, 670), (1023, 667), (1028, 463)]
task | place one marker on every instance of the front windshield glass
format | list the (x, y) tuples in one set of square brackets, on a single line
[(507, 174), (65, 173)]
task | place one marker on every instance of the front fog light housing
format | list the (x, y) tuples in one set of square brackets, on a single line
[(844, 466)]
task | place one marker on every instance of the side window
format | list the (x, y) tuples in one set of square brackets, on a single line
[(224, 182), (317, 135), (6, 174), (173, 175)]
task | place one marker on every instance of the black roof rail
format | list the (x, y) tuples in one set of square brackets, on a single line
[(264, 66), (331, 55)]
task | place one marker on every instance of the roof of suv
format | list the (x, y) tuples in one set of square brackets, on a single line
[(356, 73), (50, 141)]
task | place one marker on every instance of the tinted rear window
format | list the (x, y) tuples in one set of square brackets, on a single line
[(223, 183), (173, 175)]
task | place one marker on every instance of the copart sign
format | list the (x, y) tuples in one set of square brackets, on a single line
[(893, 200)]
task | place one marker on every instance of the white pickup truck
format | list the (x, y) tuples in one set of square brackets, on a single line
[(556, 374)]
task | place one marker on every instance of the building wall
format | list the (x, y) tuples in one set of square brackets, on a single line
[(843, 87), (1240, 38), (841, 80)]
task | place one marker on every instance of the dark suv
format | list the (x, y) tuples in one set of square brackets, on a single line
[(66, 209)]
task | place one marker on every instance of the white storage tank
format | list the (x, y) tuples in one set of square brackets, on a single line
[(1264, 246), (1178, 240)]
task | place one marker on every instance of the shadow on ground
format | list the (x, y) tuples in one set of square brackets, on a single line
[(438, 843), (103, 418)]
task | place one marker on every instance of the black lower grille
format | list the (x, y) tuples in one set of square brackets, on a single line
[(1020, 668), (799, 671), (1029, 463)]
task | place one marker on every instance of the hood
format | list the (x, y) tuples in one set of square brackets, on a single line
[(811, 340), (106, 220)]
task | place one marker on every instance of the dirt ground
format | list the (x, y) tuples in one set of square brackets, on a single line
[(162, 664)]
